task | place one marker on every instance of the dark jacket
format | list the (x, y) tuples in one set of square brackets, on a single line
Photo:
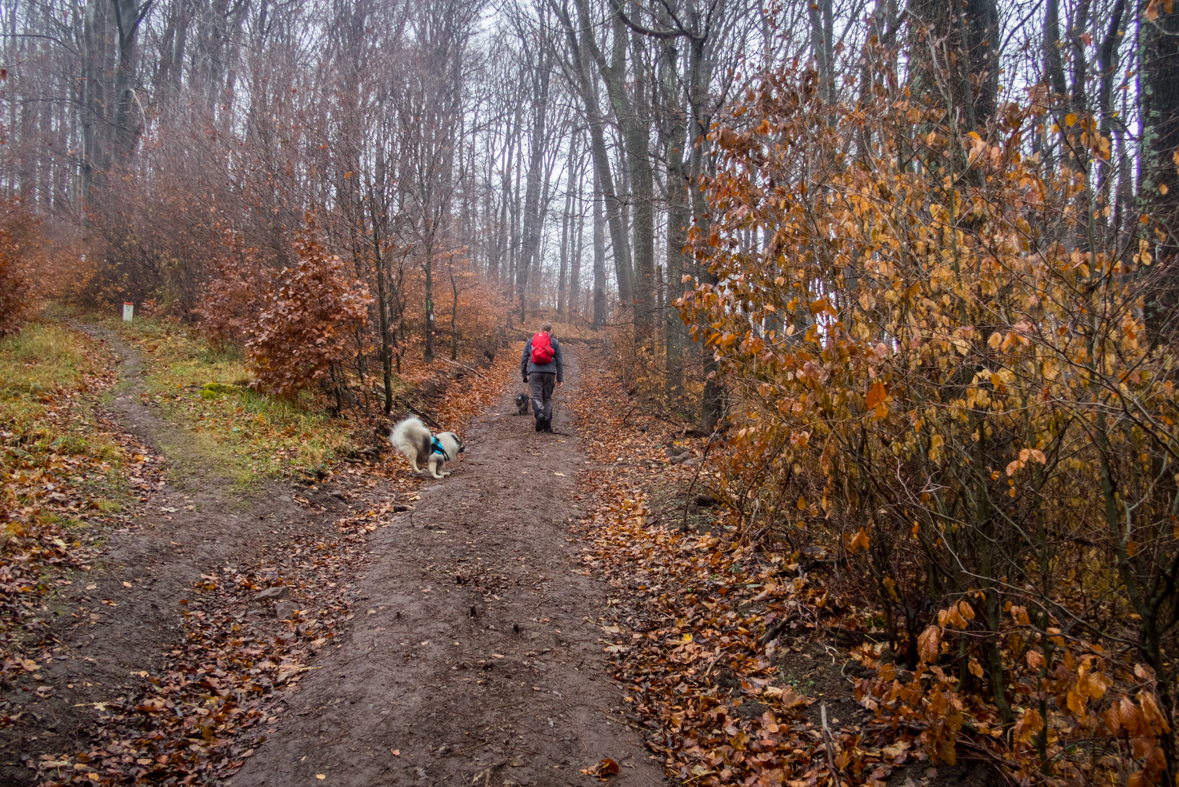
[(527, 367)]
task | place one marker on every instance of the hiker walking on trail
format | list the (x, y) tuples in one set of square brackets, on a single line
[(541, 367)]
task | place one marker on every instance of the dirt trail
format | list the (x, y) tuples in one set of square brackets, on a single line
[(473, 649), (474, 656)]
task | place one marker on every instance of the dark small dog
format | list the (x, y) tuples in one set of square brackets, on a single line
[(521, 404)]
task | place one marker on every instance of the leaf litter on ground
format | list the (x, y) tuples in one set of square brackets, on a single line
[(686, 628), (69, 477)]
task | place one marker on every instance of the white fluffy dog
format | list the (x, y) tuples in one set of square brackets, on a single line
[(414, 441)]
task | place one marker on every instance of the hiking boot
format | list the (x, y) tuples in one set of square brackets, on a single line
[(540, 424), (548, 425)]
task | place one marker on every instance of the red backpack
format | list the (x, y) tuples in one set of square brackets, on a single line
[(542, 349)]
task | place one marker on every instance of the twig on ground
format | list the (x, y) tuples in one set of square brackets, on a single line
[(776, 628), (699, 467), (828, 746), (712, 663), (470, 369)]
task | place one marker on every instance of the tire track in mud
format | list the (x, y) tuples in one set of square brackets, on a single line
[(473, 656)]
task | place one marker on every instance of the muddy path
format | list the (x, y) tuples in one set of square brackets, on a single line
[(472, 653), (474, 656)]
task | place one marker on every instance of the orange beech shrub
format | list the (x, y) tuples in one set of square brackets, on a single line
[(308, 320), (236, 293), (941, 371), (16, 291)]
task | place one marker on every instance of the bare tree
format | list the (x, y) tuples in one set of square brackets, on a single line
[(579, 71), (1160, 141), (627, 86), (429, 108), (538, 65)]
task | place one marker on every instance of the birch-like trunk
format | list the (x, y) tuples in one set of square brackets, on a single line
[(532, 215)]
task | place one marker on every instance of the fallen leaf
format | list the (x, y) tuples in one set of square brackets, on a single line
[(607, 767)]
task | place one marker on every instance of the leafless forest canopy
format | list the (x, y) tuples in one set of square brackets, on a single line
[(471, 163), (549, 153)]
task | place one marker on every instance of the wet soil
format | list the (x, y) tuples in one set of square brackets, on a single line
[(472, 656)]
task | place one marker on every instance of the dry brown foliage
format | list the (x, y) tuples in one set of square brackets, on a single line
[(309, 321), (17, 245)]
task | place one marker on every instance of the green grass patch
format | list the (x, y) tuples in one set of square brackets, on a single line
[(46, 359), (53, 452), (248, 434)]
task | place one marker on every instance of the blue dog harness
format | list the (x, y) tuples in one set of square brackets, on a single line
[(436, 448)]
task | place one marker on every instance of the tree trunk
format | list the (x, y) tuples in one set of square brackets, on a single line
[(503, 235), (453, 316), (956, 57), (678, 217), (429, 265), (26, 160), (93, 104), (532, 213), (700, 70), (171, 59), (514, 244), (382, 298), (822, 32), (566, 237), (638, 145), (128, 124), (599, 257), (1107, 66), (634, 121), (613, 208), (674, 131), (587, 87), (578, 248), (1160, 180), (1053, 62)]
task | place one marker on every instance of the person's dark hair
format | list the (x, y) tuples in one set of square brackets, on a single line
[(547, 327)]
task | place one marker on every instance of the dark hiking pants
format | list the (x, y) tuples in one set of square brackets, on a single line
[(542, 394)]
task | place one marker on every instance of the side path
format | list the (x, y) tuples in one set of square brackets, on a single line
[(473, 657), (114, 624)]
